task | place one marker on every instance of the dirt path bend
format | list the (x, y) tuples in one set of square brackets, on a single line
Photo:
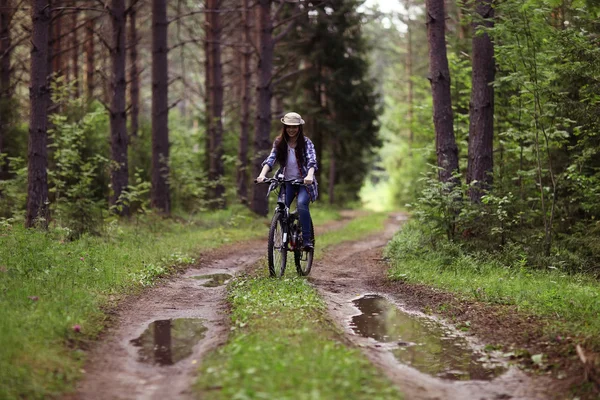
[(116, 369), (351, 270)]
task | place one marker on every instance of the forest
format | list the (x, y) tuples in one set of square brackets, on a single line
[(132, 131)]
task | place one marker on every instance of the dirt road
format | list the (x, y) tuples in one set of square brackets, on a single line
[(352, 270), (124, 365)]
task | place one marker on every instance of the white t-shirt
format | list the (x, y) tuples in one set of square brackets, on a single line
[(292, 171)]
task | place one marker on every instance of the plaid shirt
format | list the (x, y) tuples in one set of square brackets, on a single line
[(310, 161)]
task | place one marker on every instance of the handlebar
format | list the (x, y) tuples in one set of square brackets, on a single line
[(297, 182)]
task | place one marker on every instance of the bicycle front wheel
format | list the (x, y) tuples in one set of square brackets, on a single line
[(304, 259), (277, 252)]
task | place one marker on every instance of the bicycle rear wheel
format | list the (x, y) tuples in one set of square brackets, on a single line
[(277, 253), (304, 259)]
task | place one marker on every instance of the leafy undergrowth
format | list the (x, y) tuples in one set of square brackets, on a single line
[(283, 347), (54, 293), (569, 302)]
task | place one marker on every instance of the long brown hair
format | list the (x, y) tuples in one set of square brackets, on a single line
[(281, 144)]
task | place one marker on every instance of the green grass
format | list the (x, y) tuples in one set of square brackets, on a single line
[(356, 229), (282, 347), (568, 301), (48, 285)]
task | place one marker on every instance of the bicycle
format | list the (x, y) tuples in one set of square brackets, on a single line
[(285, 234)]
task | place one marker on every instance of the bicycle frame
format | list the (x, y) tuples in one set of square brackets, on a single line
[(276, 183), (285, 220)]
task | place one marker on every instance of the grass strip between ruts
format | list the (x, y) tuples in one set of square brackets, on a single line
[(284, 347)]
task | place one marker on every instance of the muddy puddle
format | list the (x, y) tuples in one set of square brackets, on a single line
[(422, 343), (213, 280), (167, 341)]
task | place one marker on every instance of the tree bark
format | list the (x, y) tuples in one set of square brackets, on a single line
[(207, 93), (134, 76), (160, 196), (37, 178), (6, 14), (242, 175), (217, 169), (409, 73), (75, 54), (481, 127), (56, 54), (332, 170), (439, 75), (118, 114), (89, 58), (262, 132)]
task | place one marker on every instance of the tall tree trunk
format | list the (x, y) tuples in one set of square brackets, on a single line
[(207, 93), (217, 169), (160, 108), (481, 127), (262, 132), (89, 58), (56, 54), (409, 73), (134, 76), (37, 178), (6, 14), (75, 54), (332, 170), (118, 114), (439, 75), (242, 175)]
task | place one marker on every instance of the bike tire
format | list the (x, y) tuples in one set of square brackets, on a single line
[(304, 259), (277, 254)]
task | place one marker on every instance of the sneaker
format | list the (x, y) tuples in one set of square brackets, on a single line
[(308, 247)]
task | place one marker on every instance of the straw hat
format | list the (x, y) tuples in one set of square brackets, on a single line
[(292, 118)]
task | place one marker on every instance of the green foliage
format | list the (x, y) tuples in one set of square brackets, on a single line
[(13, 191), (72, 180), (345, 124), (500, 277)]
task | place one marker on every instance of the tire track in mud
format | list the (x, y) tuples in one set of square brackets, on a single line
[(350, 270), (114, 369)]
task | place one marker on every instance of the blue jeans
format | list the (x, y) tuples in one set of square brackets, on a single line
[(303, 211)]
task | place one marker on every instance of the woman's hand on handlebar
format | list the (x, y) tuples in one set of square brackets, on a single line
[(260, 179)]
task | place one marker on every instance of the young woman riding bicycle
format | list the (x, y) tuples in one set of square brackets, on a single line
[(295, 154)]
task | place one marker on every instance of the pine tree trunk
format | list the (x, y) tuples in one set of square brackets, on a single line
[(439, 75), (118, 114), (409, 73), (481, 127), (207, 94), (75, 55), (56, 54), (217, 169), (262, 132), (332, 171), (5, 78), (134, 76), (242, 176), (160, 195), (37, 179), (89, 58)]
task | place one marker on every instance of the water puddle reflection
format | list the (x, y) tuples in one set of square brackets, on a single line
[(214, 279), (422, 343), (168, 341)]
